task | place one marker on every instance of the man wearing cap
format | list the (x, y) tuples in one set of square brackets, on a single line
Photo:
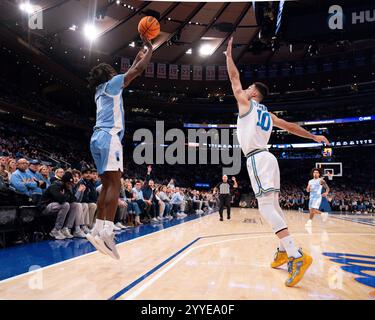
[(59, 198), (33, 172)]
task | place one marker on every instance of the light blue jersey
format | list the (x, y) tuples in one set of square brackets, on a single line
[(110, 107), (315, 188), (105, 145), (315, 193)]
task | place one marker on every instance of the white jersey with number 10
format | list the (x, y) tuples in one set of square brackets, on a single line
[(254, 128)]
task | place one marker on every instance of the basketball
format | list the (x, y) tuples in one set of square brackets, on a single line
[(149, 27)]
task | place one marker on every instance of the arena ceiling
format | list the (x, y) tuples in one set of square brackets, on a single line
[(184, 26)]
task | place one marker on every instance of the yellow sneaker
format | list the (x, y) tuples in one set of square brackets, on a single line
[(297, 268), (280, 258)]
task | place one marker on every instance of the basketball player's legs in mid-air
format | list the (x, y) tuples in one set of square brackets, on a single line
[(264, 175), (107, 152), (287, 251), (107, 206)]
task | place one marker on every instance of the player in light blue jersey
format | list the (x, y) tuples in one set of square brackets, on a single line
[(314, 187), (105, 145)]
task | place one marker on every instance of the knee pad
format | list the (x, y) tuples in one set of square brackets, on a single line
[(270, 213)]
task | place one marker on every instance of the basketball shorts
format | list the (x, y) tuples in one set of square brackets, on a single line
[(314, 202), (263, 171), (106, 149)]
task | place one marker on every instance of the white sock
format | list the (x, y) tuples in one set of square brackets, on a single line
[(99, 225), (281, 246), (290, 247), (108, 227)]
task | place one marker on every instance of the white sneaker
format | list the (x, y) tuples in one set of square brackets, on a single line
[(66, 233), (154, 220), (116, 228), (57, 234), (160, 218), (79, 234), (107, 244), (91, 238), (170, 217), (85, 229), (120, 225)]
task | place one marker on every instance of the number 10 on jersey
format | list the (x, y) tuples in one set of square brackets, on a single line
[(264, 120)]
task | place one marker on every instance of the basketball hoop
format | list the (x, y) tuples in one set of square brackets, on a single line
[(330, 176)]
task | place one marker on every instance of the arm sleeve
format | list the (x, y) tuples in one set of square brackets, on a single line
[(115, 85)]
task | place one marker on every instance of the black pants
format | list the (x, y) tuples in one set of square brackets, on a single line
[(225, 200)]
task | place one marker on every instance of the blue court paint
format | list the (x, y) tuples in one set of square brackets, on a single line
[(146, 275), (355, 264), (18, 259), (367, 221)]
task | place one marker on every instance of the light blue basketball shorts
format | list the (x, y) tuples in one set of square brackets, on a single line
[(106, 149)]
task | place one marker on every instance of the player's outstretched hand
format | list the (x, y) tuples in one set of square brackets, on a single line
[(146, 42), (228, 53), (321, 139)]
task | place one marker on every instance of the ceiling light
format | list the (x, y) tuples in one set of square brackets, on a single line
[(91, 32), (73, 27), (190, 51), (118, 2), (132, 44), (206, 50), (27, 7)]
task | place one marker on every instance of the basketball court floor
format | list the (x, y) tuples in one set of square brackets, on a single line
[(199, 258)]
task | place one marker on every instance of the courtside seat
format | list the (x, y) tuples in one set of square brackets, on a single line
[(8, 222)]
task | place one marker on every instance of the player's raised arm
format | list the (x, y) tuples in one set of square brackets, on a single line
[(139, 66), (297, 130), (234, 77)]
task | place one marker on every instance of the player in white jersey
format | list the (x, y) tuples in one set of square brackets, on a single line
[(254, 127), (106, 146), (314, 187)]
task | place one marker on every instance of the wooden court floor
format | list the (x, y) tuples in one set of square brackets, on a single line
[(208, 259)]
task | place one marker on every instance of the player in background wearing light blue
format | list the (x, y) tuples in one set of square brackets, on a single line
[(314, 187), (106, 146)]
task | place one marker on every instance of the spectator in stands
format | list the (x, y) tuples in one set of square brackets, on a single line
[(148, 196), (137, 190), (33, 171), (167, 201), (133, 207), (59, 172), (79, 190), (122, 209), (59, 199), (21, 181), (44, 176), (177, 202), (11, 166), (90, 195), (4, 174), (95, 178)]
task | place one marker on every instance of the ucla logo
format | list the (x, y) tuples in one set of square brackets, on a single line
[(356, 264)]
